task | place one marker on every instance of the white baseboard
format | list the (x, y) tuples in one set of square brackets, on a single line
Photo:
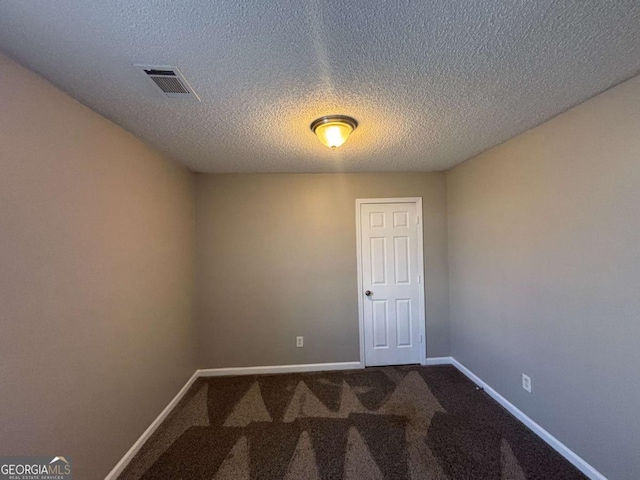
[(553, 442), (124, 461), (308, 367), (556, 444), (439, 361)]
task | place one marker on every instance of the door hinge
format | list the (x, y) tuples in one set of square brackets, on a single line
[(419, 278), (420, 338), (418, 219)]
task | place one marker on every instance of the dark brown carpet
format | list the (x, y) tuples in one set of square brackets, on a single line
[(382, 423)]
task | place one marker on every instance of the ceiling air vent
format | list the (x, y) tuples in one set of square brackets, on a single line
[(169, 80)]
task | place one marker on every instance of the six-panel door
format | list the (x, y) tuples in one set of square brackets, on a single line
[(390, 279)]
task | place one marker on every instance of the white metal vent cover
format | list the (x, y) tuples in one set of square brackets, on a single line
[(169, 80)]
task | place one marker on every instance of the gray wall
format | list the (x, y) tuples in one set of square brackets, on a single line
[(277, 258), (96, 279), (544, 261)]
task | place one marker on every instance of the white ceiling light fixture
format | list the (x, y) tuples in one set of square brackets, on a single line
[(333, 130)]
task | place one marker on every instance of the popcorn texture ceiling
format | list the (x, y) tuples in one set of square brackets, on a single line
[(431, 83)]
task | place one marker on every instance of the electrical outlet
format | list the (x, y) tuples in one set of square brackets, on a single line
[(526, 382), (299, 342)]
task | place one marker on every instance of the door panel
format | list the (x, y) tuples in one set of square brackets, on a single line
[(378, 261), (380, 324), (403, 321), (389, 253), (401, 260)]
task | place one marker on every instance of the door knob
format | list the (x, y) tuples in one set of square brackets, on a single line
[(368, 293)]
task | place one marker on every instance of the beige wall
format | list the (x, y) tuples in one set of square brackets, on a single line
[(277, 259), (544, 261), (96, 279)]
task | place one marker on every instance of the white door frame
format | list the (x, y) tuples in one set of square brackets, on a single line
[(421, 307)]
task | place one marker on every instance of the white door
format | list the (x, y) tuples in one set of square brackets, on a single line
[(391, 274)]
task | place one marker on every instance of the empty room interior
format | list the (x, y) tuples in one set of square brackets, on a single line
[(319, 240)]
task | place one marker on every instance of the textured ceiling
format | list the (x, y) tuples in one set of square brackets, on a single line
[(432, 83)]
